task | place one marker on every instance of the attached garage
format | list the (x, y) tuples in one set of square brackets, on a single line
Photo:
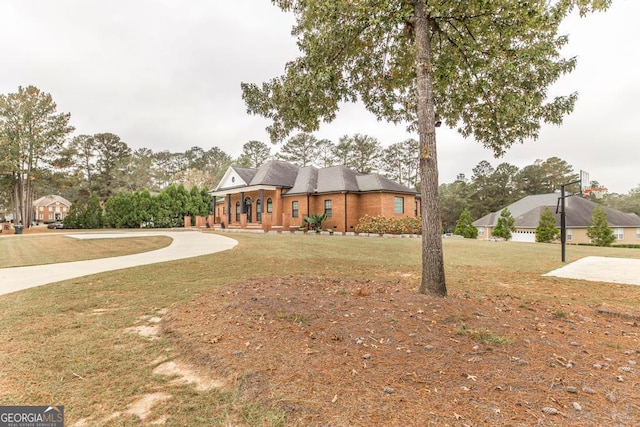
[(524, 236)]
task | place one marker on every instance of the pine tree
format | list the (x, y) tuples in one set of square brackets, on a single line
[(599, 231), (505, 225), (465, 227), (546, 231)]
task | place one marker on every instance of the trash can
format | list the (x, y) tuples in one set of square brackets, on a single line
[(18, 229)]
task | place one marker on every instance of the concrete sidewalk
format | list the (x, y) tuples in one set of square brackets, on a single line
[(601, 269), (186, 244)]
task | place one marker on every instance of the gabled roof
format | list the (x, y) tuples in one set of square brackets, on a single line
[(51, 199), (246, 174), (578, 210)]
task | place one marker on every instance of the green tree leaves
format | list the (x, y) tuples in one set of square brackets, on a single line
[(465, 227), (599, 231), (547, 232), (483, 67), (505, 225), (32, 134)]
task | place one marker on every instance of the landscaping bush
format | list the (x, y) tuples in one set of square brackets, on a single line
[(384, 225)]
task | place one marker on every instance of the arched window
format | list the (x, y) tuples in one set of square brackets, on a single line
[(259, 210), (269, 205), (237, 211)]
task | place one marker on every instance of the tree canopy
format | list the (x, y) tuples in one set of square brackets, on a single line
[(483, 67)]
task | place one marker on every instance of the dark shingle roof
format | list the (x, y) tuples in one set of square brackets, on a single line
[(527, 211), (275, 172), (246, 174), (342, 179), (375, 182), (336, 179), (309, 179), (306, 181)]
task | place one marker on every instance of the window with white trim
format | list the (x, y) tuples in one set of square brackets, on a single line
[(480, 231), (638, 233), (619, 233), (569, 234), (294, 209), (269, 205)]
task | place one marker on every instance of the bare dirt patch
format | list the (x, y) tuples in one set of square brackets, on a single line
[(331, 352), (185, 374)]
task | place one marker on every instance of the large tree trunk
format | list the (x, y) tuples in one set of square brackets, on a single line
[(433, 280)]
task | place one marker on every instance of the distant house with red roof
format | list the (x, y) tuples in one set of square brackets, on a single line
[(281, 194)]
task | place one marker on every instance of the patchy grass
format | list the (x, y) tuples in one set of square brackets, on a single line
[(484, 336), (560, 314), (66, 343), (295, 318)]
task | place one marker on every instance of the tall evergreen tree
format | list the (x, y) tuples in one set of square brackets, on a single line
[(546, 231), (400, 162), (599, 231), (254, 154), (465, 227), (32, 133), (325, 153), (505, 225), (301, 149), (359, 152), (112, 164)]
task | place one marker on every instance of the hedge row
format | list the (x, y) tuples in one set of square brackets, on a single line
[(384, 225)]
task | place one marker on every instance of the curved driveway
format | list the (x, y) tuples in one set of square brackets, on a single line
[(186, 244)]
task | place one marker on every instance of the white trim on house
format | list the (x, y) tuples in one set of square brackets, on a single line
[(242, 190), (231, 178)]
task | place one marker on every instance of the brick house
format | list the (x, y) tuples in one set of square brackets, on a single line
[(279, 194), (527, 211), (50, 208)]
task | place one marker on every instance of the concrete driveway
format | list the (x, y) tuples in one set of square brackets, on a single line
[(601, 269), (186, 244)]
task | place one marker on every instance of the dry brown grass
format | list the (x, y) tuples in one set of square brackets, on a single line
[(279, 318)]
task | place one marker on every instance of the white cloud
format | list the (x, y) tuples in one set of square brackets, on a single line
[(166, 75)]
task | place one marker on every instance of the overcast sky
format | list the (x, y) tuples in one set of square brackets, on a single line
[(166, 75)]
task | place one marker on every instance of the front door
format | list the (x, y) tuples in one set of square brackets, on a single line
[(247, 209)]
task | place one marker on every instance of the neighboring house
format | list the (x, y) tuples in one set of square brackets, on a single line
[(280, 194), (51, 208), (527, 211)]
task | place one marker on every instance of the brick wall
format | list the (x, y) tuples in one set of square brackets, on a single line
[(354, 205)]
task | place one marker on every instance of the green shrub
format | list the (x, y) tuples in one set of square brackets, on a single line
[(383, 225)]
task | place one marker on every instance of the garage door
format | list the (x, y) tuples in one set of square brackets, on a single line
[(524, 236)]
